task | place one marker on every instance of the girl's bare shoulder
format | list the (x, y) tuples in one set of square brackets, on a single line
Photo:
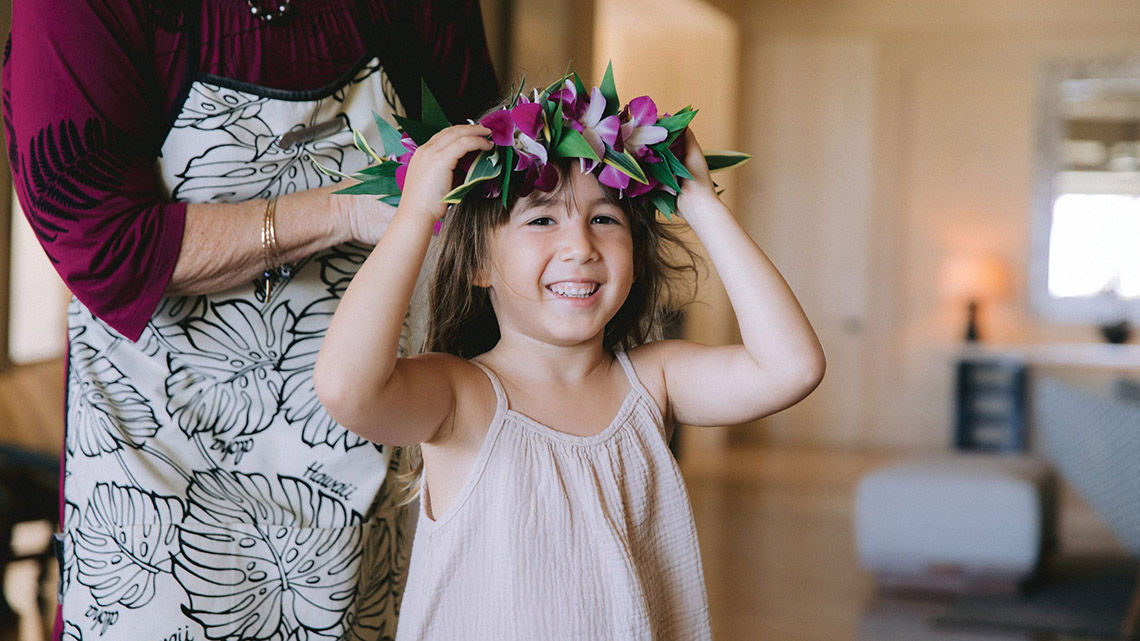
[(473, 396)]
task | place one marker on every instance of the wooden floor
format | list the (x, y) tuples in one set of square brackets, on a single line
[(777, 540), (775, 531), (31, 406), (775, 527)]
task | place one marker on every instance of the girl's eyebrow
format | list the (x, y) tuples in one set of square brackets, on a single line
[(539, 199)]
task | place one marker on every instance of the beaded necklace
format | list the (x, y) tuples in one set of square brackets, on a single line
[(271, 14)]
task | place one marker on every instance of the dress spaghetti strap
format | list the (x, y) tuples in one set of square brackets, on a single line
[(501, 401)]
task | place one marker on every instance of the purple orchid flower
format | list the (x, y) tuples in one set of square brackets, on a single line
[(540, 178), (639, 129), (597, 131), (611, 177), (572, 109), (640, 189), (404, 159), (518, 127)]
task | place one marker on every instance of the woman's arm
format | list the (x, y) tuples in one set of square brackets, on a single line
[(781, 360), (358, 377), (305, 222)]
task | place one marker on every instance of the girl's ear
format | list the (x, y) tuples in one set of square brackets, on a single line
[(482, 277)]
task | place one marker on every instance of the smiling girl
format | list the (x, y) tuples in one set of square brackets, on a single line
[(551, 505)]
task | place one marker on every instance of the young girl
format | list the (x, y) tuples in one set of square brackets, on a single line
[(551, 506)]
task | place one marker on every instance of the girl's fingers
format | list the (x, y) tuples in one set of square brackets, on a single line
[(457, 132), (429, 175), (695, 158), (456, 141)]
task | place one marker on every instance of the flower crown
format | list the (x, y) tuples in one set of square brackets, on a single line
[(631, 149)]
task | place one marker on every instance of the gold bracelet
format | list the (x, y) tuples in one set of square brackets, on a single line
[(274, 269)]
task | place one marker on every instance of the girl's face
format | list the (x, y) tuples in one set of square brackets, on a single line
[(562, 266)]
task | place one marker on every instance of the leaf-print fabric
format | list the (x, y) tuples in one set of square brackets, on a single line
[(108, 411), (263, 560), (224, 378), (209, 493), (128, 538)]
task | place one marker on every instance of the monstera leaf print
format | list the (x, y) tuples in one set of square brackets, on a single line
[(383, 568), (67, 570), (261, 168), (72, 632), (362, 74), (267, 562), (382, 574), (317, 427), (340, 264), (127, 539), (166, 323), (104, 411), (212, 107), (227, 379), (300, 404)]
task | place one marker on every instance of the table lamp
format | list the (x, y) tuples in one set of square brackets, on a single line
[(974, 279)]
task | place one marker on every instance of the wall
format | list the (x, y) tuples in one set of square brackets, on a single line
[(38, 329), (891, 136)]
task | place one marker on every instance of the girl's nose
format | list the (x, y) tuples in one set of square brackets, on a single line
[(577, 244)]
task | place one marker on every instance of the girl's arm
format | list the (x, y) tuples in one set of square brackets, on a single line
[(781, 360), (358, 377)]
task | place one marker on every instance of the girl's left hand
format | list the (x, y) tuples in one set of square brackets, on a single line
[(699, 191)]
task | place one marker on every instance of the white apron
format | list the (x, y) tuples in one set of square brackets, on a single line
[(207, 493)]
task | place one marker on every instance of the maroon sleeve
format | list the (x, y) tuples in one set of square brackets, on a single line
[(83, 115), (464, 77), (445, 48)]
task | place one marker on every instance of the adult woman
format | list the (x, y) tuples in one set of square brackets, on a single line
[(162, 153)]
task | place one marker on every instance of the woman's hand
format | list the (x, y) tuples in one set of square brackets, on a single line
[(363, 219), (430, 173)]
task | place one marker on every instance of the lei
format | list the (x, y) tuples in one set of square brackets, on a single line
[(632, 149)]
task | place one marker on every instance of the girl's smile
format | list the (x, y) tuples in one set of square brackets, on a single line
[(575, 290)]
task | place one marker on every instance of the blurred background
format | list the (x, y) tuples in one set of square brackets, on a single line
[(952, 189)]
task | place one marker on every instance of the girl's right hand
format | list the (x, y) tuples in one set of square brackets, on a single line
[(430, 172)]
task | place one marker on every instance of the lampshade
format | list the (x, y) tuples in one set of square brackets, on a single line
[(966, 277)]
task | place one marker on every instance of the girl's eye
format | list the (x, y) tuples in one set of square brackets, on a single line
[(605, 219), (541, 221)]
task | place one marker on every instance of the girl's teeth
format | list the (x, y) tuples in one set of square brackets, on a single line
[(574, 291)]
